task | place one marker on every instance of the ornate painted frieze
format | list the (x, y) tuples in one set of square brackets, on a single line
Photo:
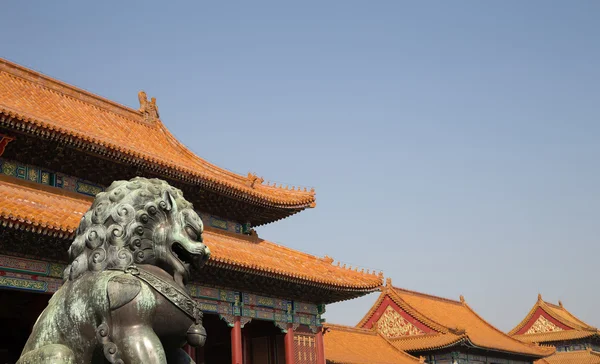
[(197, 291), (27, 282), (218, 307), (45, 277), (220, 223), (262, 301), (577, 347), (306, 308), (542, 324), (48, 178), (392, 324), (32, 267)]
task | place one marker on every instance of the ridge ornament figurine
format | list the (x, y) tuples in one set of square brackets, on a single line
[(123, 299)]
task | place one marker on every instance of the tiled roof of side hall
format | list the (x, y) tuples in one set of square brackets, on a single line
[(572, 357), (547, 322), (350, 345), (444, 322)]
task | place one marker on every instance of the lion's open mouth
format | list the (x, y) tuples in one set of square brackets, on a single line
[(185, 257)]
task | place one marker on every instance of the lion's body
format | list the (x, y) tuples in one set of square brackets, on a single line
[(72, 316), (104, 313)]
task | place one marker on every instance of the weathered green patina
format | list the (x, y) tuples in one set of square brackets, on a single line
[(124, 299)]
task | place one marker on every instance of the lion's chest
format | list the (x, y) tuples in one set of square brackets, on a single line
[(170, 323)]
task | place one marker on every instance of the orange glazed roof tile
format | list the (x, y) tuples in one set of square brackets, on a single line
[(453, 322), (349, 345), (572, 327), (572, 357), (47, 106), (49, 211)]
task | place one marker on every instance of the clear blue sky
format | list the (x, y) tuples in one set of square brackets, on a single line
[(453, 145)]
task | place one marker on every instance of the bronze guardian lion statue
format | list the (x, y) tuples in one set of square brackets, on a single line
[(124, 299)]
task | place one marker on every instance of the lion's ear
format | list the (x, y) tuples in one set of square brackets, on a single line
[(171, 204)]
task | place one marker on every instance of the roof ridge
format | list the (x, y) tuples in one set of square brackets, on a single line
[(416, 314), (449, 300), (577, 319), (466, 305), (223, 171), (573, 325), (74, 92), (419, 336), (553, 305), (528, 317), (372, 310), (40, 189), (349, 328)]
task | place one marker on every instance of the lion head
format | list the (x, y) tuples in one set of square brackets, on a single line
[(140, 221)]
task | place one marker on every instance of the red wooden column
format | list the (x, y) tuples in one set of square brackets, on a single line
[(289, 345), (236, 341), (190, 351), (320, 347)]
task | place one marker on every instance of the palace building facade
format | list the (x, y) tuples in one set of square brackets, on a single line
[(61, 145)]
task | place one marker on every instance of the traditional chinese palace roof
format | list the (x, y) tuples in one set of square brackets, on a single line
[(36, 104), (416, 323), (547, 323), (50, 124), (350, 345)]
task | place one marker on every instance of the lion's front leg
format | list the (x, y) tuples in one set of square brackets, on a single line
[(132, 311), (139, 345), (52, 353)]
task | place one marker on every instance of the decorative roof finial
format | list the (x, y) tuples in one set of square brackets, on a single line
[(560, 303), (539, 297), (149, 109), (253, 179), (462, 298), (388, 282)]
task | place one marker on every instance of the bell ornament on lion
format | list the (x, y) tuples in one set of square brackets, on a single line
[(124, 299)]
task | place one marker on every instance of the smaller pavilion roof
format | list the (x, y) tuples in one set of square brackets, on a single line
[(547, 322), (416, 322), (350, 345)]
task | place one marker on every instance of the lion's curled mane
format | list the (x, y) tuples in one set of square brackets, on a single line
[(122, 226)]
